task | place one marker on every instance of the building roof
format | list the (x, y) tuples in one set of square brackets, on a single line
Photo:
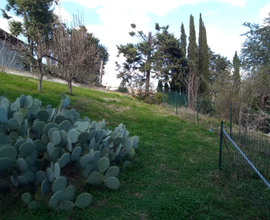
[(9, 37)]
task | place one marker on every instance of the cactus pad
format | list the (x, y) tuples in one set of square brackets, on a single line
[(6, 163), (43, 115), (55, 199), (112, 171), (112, 182), (69, 193), (13, 124), (40, 145), (83, 200), (22, 164), (76, 153), (73, 135), (56, 170), (95, 178), (83, 137), (56, 137), (64, 125), (64, 160), (26, 149), (66, 206), (45, 186), (128, 145), (59, 184), (8, 151), (40, 176), (3, 115), (26, 198)]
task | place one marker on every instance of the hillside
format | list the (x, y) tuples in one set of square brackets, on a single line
[(174, 174)]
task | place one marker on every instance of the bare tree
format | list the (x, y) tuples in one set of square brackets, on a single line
[(77, 55)]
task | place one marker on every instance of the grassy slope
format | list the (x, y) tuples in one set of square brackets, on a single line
[(173, 175)]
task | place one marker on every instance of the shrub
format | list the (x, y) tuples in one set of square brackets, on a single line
[(46, 151), (149, 100), (158, 97), (122, 89)]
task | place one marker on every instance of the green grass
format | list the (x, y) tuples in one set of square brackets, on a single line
[(174, 174)]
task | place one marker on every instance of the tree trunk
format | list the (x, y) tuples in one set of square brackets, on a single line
[(40, 74), (100, 72), (147, 82), (70, 86)]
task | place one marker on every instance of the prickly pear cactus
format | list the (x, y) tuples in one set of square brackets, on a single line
[(40, 149)]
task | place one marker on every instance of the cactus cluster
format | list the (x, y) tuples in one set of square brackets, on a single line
[(36, 144)]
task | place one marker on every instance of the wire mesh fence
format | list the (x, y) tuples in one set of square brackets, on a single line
[(245, 165), (249, 131)]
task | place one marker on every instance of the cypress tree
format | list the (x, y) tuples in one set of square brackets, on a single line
[(183, 40), (200, 48), (203, 57), (205, 62), (236, 71), (192, 41)]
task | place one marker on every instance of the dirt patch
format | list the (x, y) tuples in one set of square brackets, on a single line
[(111, 99), (118, 109)]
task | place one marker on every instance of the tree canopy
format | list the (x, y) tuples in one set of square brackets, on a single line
[(157, 55)]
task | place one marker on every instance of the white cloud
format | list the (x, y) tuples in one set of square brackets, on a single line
[(264, 12), (224, 44), (210, 13), (236, 3), (62, 13), (4, 24)]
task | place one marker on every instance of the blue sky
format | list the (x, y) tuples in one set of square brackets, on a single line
[(110, 21)]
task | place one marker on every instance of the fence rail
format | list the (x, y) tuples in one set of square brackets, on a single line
[(239, 150)]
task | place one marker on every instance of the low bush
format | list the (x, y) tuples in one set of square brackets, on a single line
[(158, 97), (149, 100), (122, 89), (50, 152)]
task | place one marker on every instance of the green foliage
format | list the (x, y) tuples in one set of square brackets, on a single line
[(52, 142), (158, 97), (149, 99), (122, 89)]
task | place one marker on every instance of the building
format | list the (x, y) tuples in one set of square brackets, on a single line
[(10, 58)]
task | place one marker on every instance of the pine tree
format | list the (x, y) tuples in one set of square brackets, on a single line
[(236, 71), (183, 40)]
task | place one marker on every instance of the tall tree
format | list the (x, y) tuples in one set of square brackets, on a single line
[(203, 59), (200, 46), (37, 16), (255, 52), (183, 40), (169, 58), (144, 58), (205, 64), (236, 71), (192, 78)]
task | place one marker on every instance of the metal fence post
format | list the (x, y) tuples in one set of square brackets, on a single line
[(162, 97), (176, 102), (198, 109), (231, 119), (220, 146), (186, 101)]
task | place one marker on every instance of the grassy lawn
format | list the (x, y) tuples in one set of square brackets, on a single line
[(174, 174)]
